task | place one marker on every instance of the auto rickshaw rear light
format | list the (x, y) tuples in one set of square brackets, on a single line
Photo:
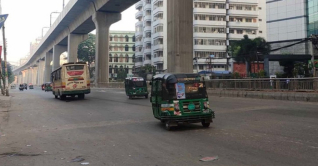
[(206, 104)]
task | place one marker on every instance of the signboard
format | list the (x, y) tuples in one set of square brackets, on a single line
[(180, 89), (138, 79), (3, 18)]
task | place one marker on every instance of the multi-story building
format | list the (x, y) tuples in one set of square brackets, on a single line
[(291, 22), (216, 23), (121, 52)]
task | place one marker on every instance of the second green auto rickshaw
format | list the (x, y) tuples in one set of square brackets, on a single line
[(180, 98), (135, 87)]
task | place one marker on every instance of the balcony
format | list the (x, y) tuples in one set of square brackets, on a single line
[(209, 47), (138, 64), (147, 6), (138, 14), (158, 9), (147, 18), (139, 4), (243, 13), (158, 34), (243, 24), (209, 35), (139, 33), (147, 28), (210, 10), (138, 23), (240, 36), (158, 47), (250, 2), (147, 51), (147, 62), (158, 60), (158, 21), (138, 54), (214, 23), (138, 43), (147, 40)]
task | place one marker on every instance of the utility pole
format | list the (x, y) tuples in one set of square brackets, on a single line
[(5, 62)]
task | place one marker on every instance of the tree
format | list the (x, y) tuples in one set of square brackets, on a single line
[(121, 75), (248, 50), (145, 70), (86, 51), (10, 74)]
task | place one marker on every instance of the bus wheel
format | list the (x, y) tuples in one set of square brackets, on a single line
[(81, 96), (204, 124), (63, 97)]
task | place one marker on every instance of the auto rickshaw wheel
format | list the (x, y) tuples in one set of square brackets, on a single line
[(168, 126), (204, 124)]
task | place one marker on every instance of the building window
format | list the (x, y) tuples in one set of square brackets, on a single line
[(127, 38), (121, 48), (110, 58), (110, 48), (115, 38), (116, 48), (134, 48), (110, 69), (134, 38), (260, 31), (127, 58), (126, 47), (121, 58), (111, 38), (260, 20), (116, 58)]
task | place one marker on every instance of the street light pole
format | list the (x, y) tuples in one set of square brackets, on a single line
[(51, 17)]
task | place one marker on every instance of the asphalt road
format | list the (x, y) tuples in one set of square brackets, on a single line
[(109, 129)]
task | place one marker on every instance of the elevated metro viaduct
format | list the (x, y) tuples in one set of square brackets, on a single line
[(80, 17)]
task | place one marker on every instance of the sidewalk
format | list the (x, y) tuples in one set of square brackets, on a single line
[(5, 104)]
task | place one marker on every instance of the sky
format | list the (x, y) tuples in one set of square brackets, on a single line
[(28, 17)]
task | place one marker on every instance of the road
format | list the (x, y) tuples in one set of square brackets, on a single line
[(109, 129)]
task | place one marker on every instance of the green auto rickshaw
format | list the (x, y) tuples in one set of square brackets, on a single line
[(48, 86), (135, 87), (181, 98)]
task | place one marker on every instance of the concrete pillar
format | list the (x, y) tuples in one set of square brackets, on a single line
[(180, 36), (73, 41), (34, 75), (102, 23), (57, 51), (41, 72), (48, 68)]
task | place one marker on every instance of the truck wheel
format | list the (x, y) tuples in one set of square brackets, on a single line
[(204, 124), (81, 96), (130, 97)]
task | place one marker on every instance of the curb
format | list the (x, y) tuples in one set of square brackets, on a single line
[(289, 96)]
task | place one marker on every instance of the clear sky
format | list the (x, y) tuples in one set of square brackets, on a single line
[(28, 17)]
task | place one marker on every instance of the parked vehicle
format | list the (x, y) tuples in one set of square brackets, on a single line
[(179, 98), (30, 86), (43, 86), (136, 86), (13, 86), (70, 80), (25, 86)]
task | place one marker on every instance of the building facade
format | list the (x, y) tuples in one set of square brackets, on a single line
[(216, 23), (121, 52), (290, 22)]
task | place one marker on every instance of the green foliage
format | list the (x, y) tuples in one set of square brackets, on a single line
[(145, 70), (121, 75), (248, 50), (10, 74), (86, 51), (236, 75)]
